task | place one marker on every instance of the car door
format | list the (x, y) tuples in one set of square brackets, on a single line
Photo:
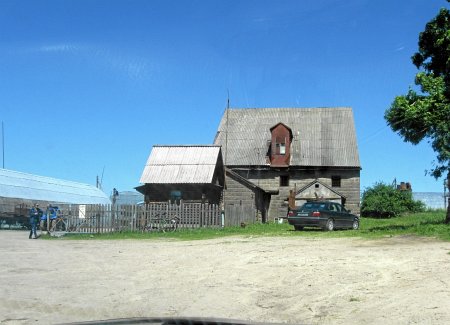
[(338, 219), (346, 218), (332, 213)]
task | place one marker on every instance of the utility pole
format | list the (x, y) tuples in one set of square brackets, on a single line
[(3, 146), (226, 128)]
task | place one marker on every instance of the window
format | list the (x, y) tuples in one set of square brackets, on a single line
[(282, 148), (336, 181), (284, 180)]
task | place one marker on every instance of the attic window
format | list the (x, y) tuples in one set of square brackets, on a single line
[(284, 180), (280, 148), (336, 181)]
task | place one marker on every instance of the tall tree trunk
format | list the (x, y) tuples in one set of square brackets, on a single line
[(447, 218)]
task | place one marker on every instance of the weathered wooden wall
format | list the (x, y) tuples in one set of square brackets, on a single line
[(269, 180)]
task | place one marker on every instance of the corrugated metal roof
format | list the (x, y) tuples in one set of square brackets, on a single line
[(181, 164), (322, 136), (15, 184), (129, 197)]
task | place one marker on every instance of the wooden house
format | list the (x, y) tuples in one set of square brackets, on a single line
[(269, 152), (183, 172)]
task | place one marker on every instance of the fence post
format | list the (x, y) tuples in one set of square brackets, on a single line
[(97, 218)]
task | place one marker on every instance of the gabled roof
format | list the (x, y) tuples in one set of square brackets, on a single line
[(181, 164), (287, 127), (244, 181), (310, 188), (14, 184), (323, 137)]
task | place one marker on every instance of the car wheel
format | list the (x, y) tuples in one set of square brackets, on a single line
[(298, 227), (329, 226), (355, 225)]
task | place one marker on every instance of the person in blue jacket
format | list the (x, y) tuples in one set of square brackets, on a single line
[(52, 212), (43, 221), (35, 215)]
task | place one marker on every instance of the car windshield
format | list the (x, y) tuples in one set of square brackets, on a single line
[(313, 206)]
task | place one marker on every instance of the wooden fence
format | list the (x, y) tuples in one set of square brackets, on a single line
[(149, 217), (235, 215)]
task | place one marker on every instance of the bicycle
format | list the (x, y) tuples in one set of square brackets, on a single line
[(162, 223)]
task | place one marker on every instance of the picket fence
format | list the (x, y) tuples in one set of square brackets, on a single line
[(149, 217)]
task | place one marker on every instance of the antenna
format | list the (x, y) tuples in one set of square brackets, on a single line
[(3, 145), (101, 179), (99, 182), (226, 128)]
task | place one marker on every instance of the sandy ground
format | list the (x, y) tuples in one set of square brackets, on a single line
[(403, 280)]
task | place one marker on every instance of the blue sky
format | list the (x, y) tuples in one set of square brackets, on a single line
[(87, 86)]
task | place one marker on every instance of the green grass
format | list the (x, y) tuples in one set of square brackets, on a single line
[(428, 224)]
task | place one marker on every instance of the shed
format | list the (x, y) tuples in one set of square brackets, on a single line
[(188, 172)]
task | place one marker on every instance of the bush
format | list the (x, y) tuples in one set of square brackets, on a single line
[(384, 201)]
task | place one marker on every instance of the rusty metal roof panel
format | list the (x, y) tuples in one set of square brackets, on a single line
[(321, 136), (181, 164)]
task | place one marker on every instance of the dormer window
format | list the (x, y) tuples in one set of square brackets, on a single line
[(281, 136)]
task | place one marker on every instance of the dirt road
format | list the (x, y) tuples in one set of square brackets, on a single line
[(288, 280)]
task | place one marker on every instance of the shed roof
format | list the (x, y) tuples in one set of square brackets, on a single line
[(14, 184), (181, 164), (321, 136)]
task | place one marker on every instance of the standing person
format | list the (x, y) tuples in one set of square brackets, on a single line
[(35, 214), (53, 215)]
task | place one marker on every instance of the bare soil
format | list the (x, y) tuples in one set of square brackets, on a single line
[(399, 280)]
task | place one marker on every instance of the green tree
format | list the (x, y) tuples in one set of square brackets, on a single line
[(425, 113), (385, 201)]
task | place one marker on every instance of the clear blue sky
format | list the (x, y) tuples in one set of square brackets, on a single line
[(87, 85)]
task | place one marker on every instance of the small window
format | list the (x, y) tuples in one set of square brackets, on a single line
[(336, 181), (280, 148), (175, 197), (284, 180)]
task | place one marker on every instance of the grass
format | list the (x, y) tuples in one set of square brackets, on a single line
[(428, 224)]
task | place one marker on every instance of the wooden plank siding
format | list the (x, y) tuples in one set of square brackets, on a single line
[(235, 215)]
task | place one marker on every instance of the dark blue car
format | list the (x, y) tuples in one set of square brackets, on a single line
[(323, 214)]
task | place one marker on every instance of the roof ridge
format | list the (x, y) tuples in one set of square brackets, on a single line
[(187, 145), (291, 108), (41, 177)]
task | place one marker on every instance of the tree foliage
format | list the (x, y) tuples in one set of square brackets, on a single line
[(425, 114), (384, 201)]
